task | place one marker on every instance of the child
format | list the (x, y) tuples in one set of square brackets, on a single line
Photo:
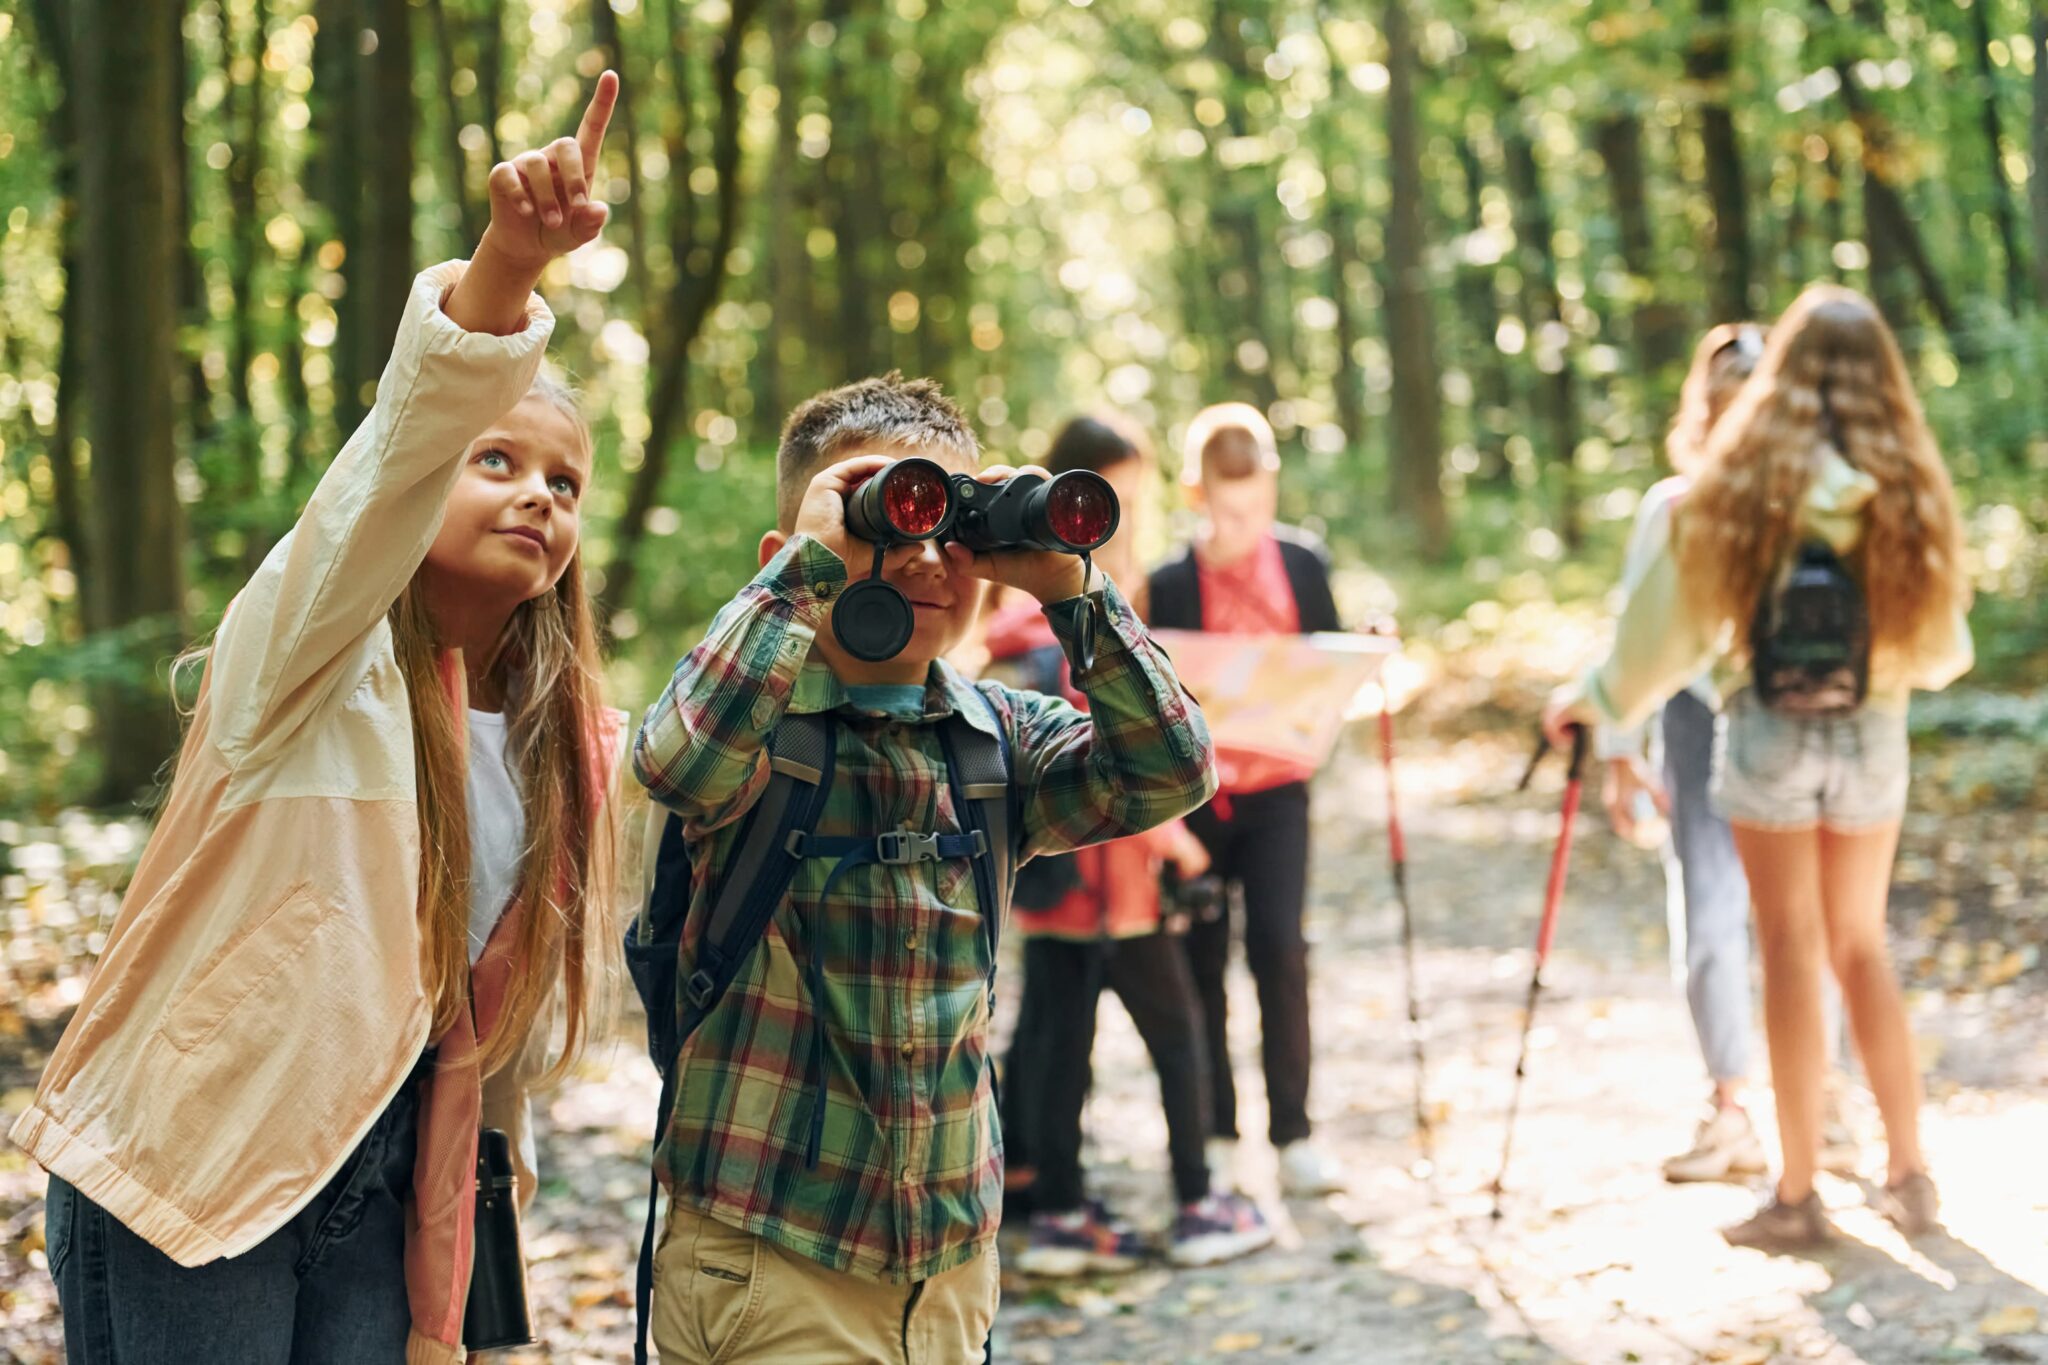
[(1246, 575), (833, 1149), (262, 1124), (1715, 927), (1102, 926), (1825, 447)]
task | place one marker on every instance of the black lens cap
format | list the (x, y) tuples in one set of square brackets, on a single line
[(873, 620)]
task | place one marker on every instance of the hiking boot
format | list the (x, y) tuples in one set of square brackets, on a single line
[(1221, 1155), (1779, 1226), (1218, 1228), (1912, 1205), (1309, 1172), (1086, 1241), (1725, 1147)]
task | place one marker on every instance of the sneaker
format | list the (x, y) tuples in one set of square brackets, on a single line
[(1086, 1241), (1725, 1146), (1218, 1228), (1912, 1205), (1779, 1226), (1221, 1154), (1309, 1172)]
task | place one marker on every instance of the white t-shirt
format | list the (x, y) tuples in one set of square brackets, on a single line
[(497, 828)]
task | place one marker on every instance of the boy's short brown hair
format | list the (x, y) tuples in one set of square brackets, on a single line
[(887, 410), (1228, 441)]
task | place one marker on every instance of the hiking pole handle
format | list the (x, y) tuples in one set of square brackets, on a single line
[(1580, 744)]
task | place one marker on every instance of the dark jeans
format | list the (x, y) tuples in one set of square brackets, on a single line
[(328, 1288), (1264, 848), (1150, 975)]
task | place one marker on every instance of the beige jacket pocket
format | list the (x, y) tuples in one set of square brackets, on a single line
[(248, 974)]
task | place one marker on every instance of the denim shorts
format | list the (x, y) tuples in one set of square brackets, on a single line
[(1779, 772)]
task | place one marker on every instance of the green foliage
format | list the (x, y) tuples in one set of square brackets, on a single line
[(1051, 205)]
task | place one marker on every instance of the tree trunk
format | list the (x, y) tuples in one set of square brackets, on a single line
[(2003, 211), (1658, 324), (1234, 199), (125, 73), (2037, 141), (52, 26), (190, 394), (697, 286), (385, 122), (1493, 396), (1549, 343), (337, 171), (1416, 456), (472, 209), (248, 238), (604, 25), (1709, 62)]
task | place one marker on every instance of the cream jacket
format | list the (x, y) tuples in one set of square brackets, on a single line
[(260, 998)]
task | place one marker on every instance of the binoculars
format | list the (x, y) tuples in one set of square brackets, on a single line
[(917, 499)]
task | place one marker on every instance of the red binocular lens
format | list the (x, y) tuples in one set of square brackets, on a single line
[(912, 499), (1081, 512)]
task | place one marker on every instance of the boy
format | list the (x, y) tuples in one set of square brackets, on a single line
[(865, 1229), (1247, 575)]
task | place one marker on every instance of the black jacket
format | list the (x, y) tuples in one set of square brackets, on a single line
[(1176, 586)]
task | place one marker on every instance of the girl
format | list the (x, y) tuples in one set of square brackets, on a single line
[(382, 855), (1715, 928), (1097, 923), (1825, 443)]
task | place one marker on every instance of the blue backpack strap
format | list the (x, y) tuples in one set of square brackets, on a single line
[(802, 751)]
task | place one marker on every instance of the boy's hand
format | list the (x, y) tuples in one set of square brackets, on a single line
[(541, 206), (1047, 575), (822, 513)]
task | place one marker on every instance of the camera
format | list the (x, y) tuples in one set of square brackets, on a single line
[(916, 499)]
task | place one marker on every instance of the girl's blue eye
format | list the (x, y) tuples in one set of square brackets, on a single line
[(564, 485), (489, 456)]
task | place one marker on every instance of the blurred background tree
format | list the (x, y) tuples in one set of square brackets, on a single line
[(1457, 251)]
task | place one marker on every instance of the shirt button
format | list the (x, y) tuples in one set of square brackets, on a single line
[(825, 590), (912, 943), (908, 1050), (764, 711), (906, 1175)]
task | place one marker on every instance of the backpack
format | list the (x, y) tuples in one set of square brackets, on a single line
[(776, 837), (1809, 641)]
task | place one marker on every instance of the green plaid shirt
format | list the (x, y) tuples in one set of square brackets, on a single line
[(909, 1177)]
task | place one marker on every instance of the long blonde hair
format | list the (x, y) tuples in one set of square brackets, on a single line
[(550, 664), (1831, 376), (1726, 356)]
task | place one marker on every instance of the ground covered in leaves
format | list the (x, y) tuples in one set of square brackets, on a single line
[(1595, 1260)]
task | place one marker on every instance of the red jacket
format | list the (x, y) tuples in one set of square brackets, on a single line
[(1119, 892)]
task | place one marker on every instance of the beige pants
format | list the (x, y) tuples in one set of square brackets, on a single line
[(723, 1296)]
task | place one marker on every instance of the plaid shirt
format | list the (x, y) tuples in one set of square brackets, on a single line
[(908, 1181)]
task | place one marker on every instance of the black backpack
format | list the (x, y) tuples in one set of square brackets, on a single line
[(775, 839), (1809, 641)]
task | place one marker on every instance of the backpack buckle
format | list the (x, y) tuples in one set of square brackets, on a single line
[(900, 846), (699, 989)]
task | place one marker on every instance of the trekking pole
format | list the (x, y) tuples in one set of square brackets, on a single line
[(1397, 847), (1553, 897)]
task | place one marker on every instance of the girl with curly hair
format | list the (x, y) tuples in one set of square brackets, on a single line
[(1824, 445)]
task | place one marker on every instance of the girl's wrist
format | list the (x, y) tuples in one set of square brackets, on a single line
[(491, 295)]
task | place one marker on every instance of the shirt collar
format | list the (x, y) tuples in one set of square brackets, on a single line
[(946, 690)]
